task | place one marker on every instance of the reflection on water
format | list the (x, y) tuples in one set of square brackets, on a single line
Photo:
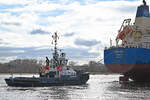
[(99, 87), (62, 92), (129, 91)]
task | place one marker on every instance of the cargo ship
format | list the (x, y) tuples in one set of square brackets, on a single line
[(54, 73), (131, 54)]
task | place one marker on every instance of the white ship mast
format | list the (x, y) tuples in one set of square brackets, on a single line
[(55, 54)]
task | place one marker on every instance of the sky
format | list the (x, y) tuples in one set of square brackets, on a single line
[(84, 27)]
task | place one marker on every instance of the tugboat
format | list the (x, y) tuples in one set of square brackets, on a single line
[(55, 73)]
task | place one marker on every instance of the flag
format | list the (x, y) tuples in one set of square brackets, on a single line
[(59, 68), (46, 67)]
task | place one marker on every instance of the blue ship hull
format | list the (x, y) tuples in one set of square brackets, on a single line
[(45, 81), (131, 62)]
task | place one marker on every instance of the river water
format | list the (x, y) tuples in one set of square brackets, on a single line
[(99, 87)]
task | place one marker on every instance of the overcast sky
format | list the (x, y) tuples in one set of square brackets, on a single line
[(84, 26)]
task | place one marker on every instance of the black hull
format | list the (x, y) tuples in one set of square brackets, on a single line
[(45, 82), (30, 84)]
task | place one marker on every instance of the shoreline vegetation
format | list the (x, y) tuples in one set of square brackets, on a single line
[(31, 66)]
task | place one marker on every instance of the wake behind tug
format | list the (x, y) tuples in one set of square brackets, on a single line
[(55, 73)]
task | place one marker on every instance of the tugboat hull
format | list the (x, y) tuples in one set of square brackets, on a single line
[(44, 82)]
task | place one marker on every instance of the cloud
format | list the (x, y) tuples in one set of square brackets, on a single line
[(87, 43), (16, 2), (7, 59), (69, 34), (2, 42), (129, 9), (78, 52), (10, 23), (11, 6), (53, 13), (38, 31), (28, 52), (34, 53), (80, 55)]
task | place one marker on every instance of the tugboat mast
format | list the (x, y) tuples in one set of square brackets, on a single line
[(55, 38), (144, 2)]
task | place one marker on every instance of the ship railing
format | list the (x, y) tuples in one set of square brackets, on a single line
[(144, 45), (139, 45), (124, 46)]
